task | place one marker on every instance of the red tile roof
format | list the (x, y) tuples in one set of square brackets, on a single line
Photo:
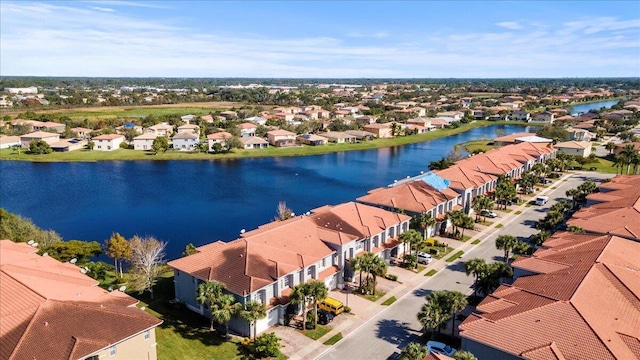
[(595, 292), (50, 310), (414, 196), (263, 255)]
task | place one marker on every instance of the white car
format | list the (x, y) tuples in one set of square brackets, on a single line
[(437, 347), (424, 258), (488, 213)]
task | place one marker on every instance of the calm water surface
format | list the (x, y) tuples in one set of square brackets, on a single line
[(583, 108), (203, 201)]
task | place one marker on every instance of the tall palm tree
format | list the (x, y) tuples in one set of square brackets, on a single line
[(480, 203), (224, 308), (252, 312), (475, 266), (456, 302), (539, 169), (506, 243), (378, 268), (610, 146), (413, 351), (426, 221), (208, 292), (300, 295), (410, 237), (431, 316), (318, 291), (628, 153), (574, 194)]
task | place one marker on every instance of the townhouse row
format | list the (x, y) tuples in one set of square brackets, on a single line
[(265, 263)]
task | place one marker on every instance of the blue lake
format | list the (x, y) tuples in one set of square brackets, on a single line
[(204, 201), (583, 108)]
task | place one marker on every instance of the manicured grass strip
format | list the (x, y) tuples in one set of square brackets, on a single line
[(318, 332), (373, 298), (507, 210), (555, 187), (455, 256), (389, 301), (485, 223), (334, 339), (475, 242), (431, 272), (499, 226), (529, 205), (518, 212)]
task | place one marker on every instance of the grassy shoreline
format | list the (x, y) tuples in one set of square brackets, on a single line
[(129, 155)]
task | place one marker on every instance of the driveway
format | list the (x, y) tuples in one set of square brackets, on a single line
[(394, 327)]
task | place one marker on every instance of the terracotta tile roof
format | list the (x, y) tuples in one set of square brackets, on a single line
[(39, 135), (219, 135), (462, 178), (50, 310), (281, 132), (512, 138), (278, 248), (597, 296), (414, 196)]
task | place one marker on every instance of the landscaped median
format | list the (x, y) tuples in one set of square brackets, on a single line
[(455, 256)]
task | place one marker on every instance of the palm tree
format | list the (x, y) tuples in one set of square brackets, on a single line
[(476, 267), (539, 169), (252, 312), (431, 316), (317, 292), (224, 308), (467, 223), (362, 263), (378, 268), (457, 219), (413, 351), (410, 237), (628, 153), (480, 203), (208, 292), (610, 146), (506, 243), (300, 295), (426, 221), (456, 301), (553, 164), (574, 194)]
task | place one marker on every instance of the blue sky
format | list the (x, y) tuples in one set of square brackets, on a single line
[(343, 39)]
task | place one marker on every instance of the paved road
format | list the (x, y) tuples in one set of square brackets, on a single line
[(396, 326)]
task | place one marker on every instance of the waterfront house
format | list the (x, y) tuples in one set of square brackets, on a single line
[(65, 145), (163, 129), (264, 264), (9, 141), (380, 130), (186, 141), (469, 183), (247, 129), (281, 138), (52, 310), (427, 193), (520, 115), (510, 139), (47, 137), (311, 139), (339, 137), (107, 142), (82, 132), (254, 142), (144, 141), (189, 128), (218, 138), (438, 123), (545, 117), (360, 135), (574, 148)]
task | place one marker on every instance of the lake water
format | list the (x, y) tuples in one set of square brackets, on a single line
[(583, 108), (204, 201)]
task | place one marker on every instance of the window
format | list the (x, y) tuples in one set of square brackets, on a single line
[(287, 281), (147, 334), (112, 351)]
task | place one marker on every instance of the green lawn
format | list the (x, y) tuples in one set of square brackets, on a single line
[(183, 333), (374, 297), (431, 272), (334, 339), (518, 212), (475, 146), (442, 251), (499, 226), (602, 166), (475, 242), (389, 301), (507, 210), (318, 332), (455, 256), (129, 154), (485, 222)]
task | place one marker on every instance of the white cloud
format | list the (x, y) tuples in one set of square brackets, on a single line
[(102, 9), (511, 25), (53, 40)]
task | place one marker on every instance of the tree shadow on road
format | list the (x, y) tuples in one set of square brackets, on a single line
[(395, 332), (423, 293), (458, 266)]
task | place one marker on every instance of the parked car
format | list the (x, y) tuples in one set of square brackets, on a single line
[(437, 347), (324, 317), (424, 258), (331, 305), (541, 200), (488, 213)]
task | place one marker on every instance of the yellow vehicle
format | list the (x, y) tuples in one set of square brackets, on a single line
[(331, 305)]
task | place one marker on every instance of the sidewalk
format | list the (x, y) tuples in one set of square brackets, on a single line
[(365, 310)]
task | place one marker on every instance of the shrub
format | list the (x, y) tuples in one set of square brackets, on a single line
[(391, 277), (410, 261), (124, 145), (267, 345), (347, 309)]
